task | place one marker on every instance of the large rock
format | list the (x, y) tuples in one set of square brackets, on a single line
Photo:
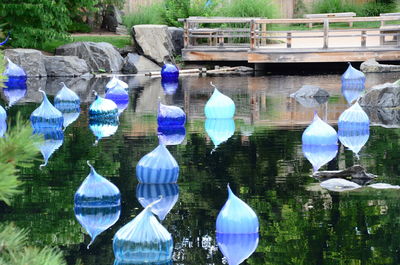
[(372, 66), (65, 66), (154, 42), (177, 39), (99, 57), (310, 96), (32, 61), (134, 63), (385, 117), (382, 96)]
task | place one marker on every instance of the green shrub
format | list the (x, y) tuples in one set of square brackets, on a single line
[(364, 10), (79, 27), (374, 9), (249, 8), (145, 15)]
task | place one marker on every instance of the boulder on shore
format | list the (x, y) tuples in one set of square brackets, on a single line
[(32, 61), (134, 63), (177, 39), (310, 96), (382, 96), (372, 66), (65, 66)]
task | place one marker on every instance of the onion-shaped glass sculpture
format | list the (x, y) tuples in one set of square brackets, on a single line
[(15, 89), (102, 109), (167, 194), (219, 130), (170, 116), (169, 72), (143, 240), (68, 103), (353, 79), (120, 97), (338, 184), (115, 82), (53, 139), (236, 217), (171, 135), (3, 121), (236, 248), (157, 167), (353, 128), (219, 106), (14, 70), (319, 132), (169, 86), (97, 191), (103, 128), (95, 220), (46, 115)]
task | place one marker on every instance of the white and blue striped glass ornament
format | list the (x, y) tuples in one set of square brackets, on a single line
[(219, 130), (157, 167), (3, 121), (115, 82), (46, 115), (171, 135), (353, 79), (14, 70), (236, 217), (170, 116), (53, 139), (167, 194), (103, 109), (68, 103), (219, 106), (236, 248)]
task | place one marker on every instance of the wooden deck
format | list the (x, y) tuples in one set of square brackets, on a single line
[(249, 40)]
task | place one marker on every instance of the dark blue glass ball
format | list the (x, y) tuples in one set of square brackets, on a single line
[(169, 72)]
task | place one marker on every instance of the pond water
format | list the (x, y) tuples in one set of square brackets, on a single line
[(300, 222)]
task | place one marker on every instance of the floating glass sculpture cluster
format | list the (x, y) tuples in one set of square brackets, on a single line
[(169, 72), (68, 103), (3, 121), (237, 230), (16, 83), (353, 84)]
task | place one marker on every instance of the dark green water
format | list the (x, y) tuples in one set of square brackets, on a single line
[(300, 223)]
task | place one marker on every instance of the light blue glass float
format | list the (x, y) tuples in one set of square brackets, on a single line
[(115, 82), (353, 128), (219, 106), (97, 191), (236, 248), (14, 70), (68, 103), (338, 185), (353, 83), (96, 220), (167, 194), (157, 167), (236, 217), (171, 135), (170, 86), (143, 240), (15, 89), (219, 130), (103, 109), (3, 121), (119, 262), (53, 139), (120, 97), (46, 115), (103, 128), (170, 116), (169, 72)]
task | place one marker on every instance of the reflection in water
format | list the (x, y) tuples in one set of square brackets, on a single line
[(15, 89), (68, 103), (353, 83), (170, 87), (171, 135), (103, 128), (338, 184), (53, 139), (219, 130), (120, 97), (3, 121), (236, 248)]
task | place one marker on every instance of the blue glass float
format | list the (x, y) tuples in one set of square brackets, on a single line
[(236, 217), (14, 70), (143, 240), (5, 41), (15, 89), (3, 121), (95, 220), (97, 191), (169, 72), (219, 130), (353, 81), (120, 97), (53, 139), (353, 128), (115, 82), (68, 103), (167, 194), (171, 135), (46, 115), (219, 106), (103, 109), (157, 167), (170, 116), (236, 248), (338, 184), (103, 128), (170, 86)]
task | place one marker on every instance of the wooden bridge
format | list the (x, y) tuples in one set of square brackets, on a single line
[(261, 40)]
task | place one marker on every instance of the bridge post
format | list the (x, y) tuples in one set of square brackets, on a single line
[(252, 34), (289, 40), (185, 33), (363, 38), (326, 32)]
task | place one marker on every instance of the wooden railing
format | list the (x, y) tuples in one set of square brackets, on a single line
[(254, 33)]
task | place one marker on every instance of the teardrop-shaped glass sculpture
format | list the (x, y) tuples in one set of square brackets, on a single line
[(157, 167), (219, 130), (3, 121), (120, 97), (236, 217), (143, 240), (103, 128), (46, 115), (169, 86), (15, 89), (170, 116), (352, 79), (13, 70), (171, 135), (167, 194), (115, 82), (169, 72), (236, 248), (338, 184), (53, 139), (319, 133), (103, 109), (219, 106), (97, 191), (353, 128), (68, 103), (95, 220)]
